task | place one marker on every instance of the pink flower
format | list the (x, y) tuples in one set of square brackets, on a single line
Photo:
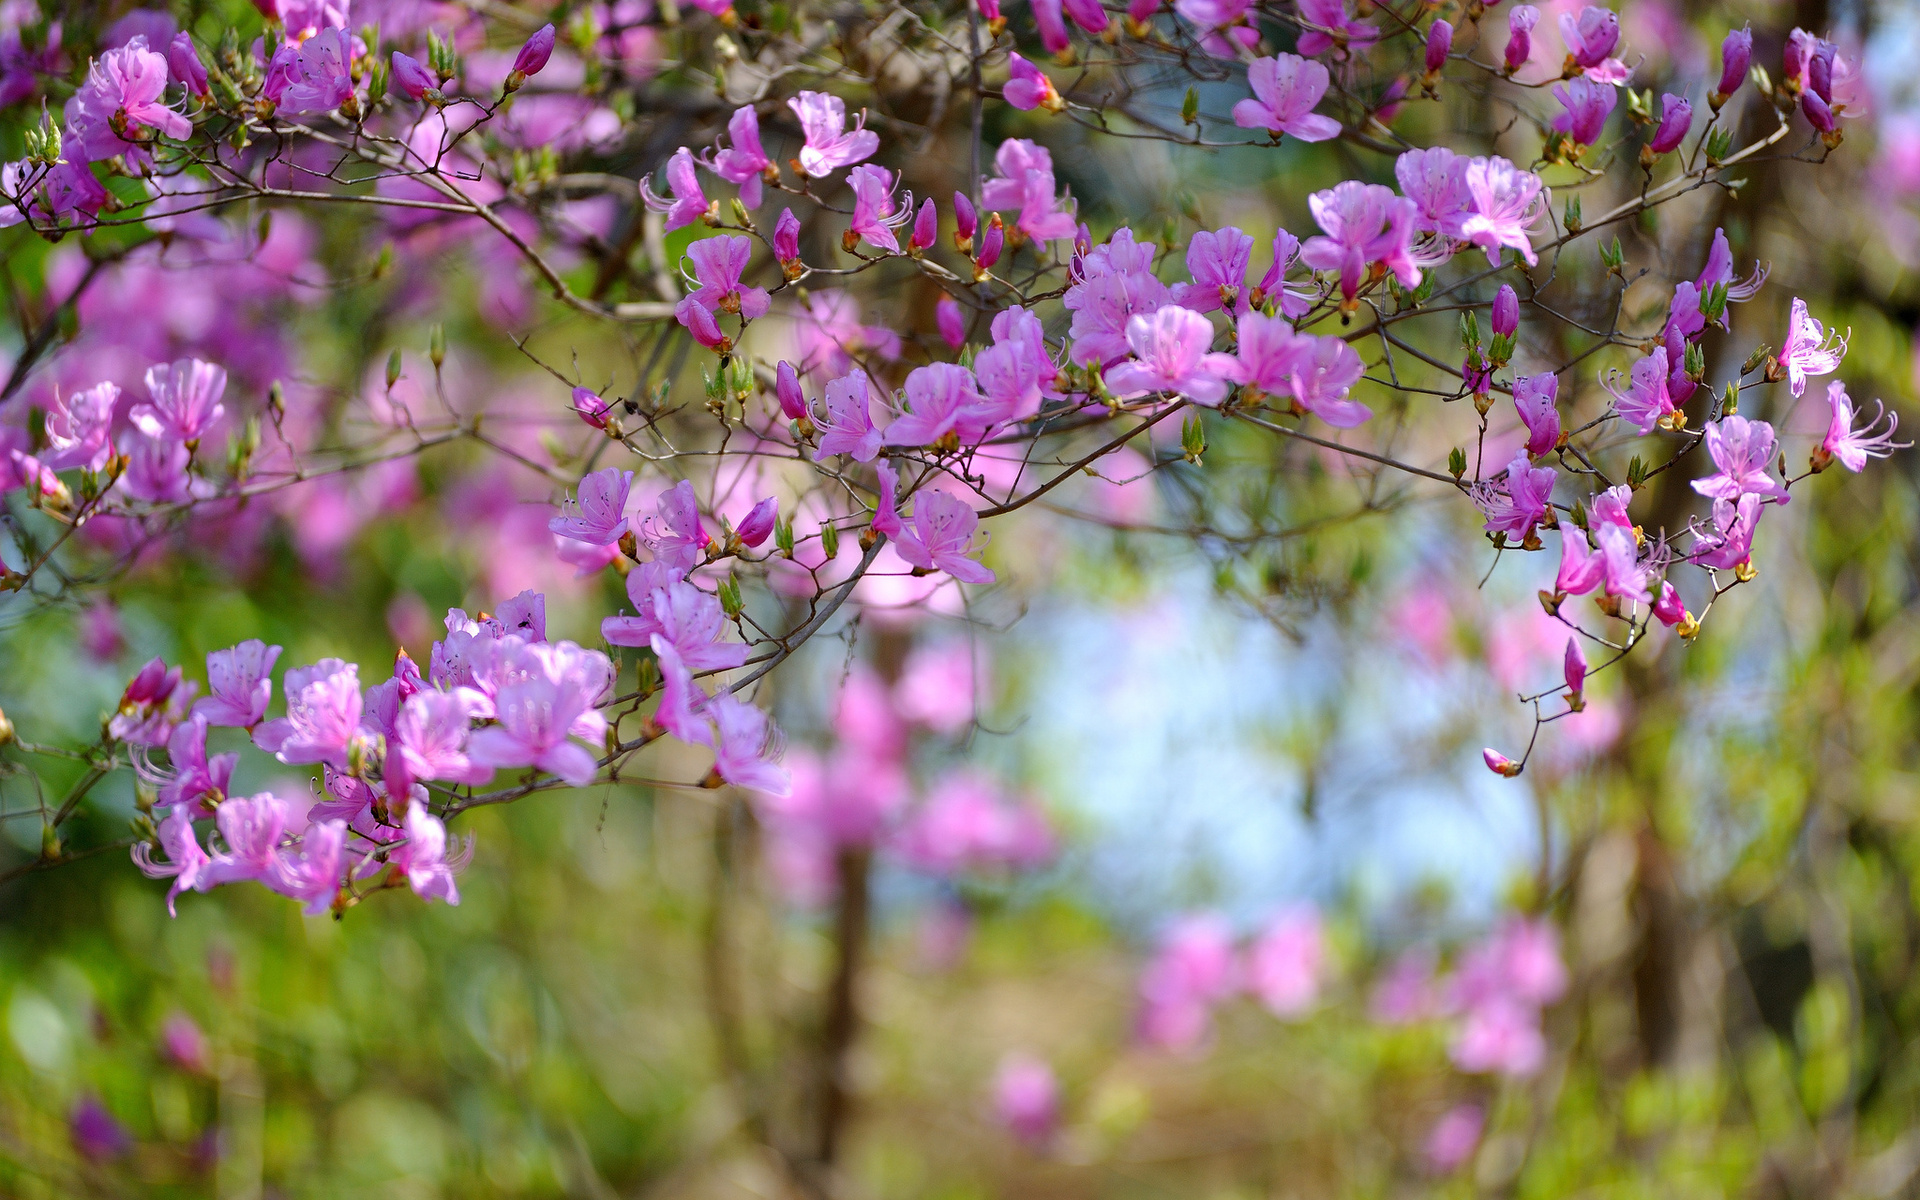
[(1194, 969), (1116, 283), (1454, 1138), (1520, 23), (941, 538), (1436, 181), (1405, 992), (1286, 962), (429, 740), (239, 685), (535, 717), (939, 686), (1809, 350), (786, 239), (1048, 15), (1581, 569), (1286, 88), (951, 322), (1719, 272), (758, 524), (968, 825), (830, 334), (1172, 355), (534, 52), (422, 858), (1591, 37), (1743, 450), (326, 80), (1364, 223), (873, 208), (1029, 88), (718, 265), (1854, 446), (745, 746), (688, 203), (1026, 1098), (1534, 398), (185, 863), (1676, 118), (185, 400), (1646, 402), (1026, 183), (1506, 203), (830, 146), (1727, 544), (1326, 25), (682, 702), (77, 429), (1217, 261), (847, 428), (409, 76), (1518, 503), (251, 827), (185, 1045), (1015, 372), (154, 702), (942, 399), (693, 622), (1272, 285), (312, 875), (597, 516), (676, 536), (123, 87), (1625, 574), (323, 714), (1500, 1036), (1588, 105), (183, 61)]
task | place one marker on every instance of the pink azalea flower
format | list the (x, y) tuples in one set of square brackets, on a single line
[(1520, 24), (185, 863), (1194, 969), (758, 524), (155, 701), (1224, 29), (325, 81), (874, 213), (830, 334), (1506, 204), (1454, 1138), (597, 516), (1624, 573), (1436, 181), (1029, 88), (1719, 273), (1015, 372), (239, 683), (1217, 262), (1534, 396), (1676, 119), (951, 321), (676, 536), (745, 745), (830, 145), (1026, 183), (1854, 446), (1326, 25), (183, 62), (968, 825), (429, 740), (941, 538), (1591, 37), (847, 428), (1646, 401), (535, 717), (408, 75), (1049, 16), (185, 400), (1026, 1098), (77, 429), (1172, 355), (1500, 1036), (688, 203), (251, 827), (1272, 285), (1286, 88), (1286, 962), (1364, 223), (1405, 993), (123, 87), (942, 399), (1588, 105), (682, 701), (939, 686), (1322, 378), (1519, 502), (422, 858), (718, 265), (693, 622), (1116, 283), (323, 714), (313, 874), (1809, 350), (1581, 569), (1727, 544), (1743, 450)]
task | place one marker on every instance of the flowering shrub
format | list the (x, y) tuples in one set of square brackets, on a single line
[(876, 308)]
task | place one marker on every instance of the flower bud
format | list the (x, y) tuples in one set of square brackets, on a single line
[(1820, 70), (1506, 311), (1793, 56), (952, 322), (1520, 23), (926, 227), (991, 244), (1667, 606), (591, 408), (705, 330), (1499, 763), (786, 243), (1439, 43), (411, 77), (1676, 118), (786, 388), (1736, 55), (1576, 673), (184, 62), (757, 525), (966, 222), (532, 57), (1818, 114)]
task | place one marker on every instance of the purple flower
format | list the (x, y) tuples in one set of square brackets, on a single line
[(1439, 44), (1272, 285), (786, 389), (283, 71), (676, 536), (597, 516), (1363, 223), (1736, 55), (874, 216), (1088, 15), (745, 745), (758, 524), (1326, 25), (1217, 261), (1624, 573), (184, 62), (701, 324), (1854, 446), (429, 740), (1029, 88), (325, 81), (1669, 608), (1574, 667), (185, 1045), (990, 245), (942, 399), (830, 145), (1172, 354), (689, 203), (952, 322), (1048, 15), (186, 863), (1454, 1138), (251, 827), (1500, 1035), (413, 80), (1581, 569), (323, 714), (185, 400), (422, 858), (847, 427), (886, 509), (535, 717), (1588, 105), (95, 1132), (1505, 320), (1116, 283), (1742, 449), (681, 700), (77, 429), (1809, 349), (1519, 502), (1727, 545), (1646, 402), (1506, 203), (1016, 371), (1026, 1098), (1676, 118), (155, 701), (313, 874), (1436, 181), (966, 222), (941, 538), (719, 263), (1520, 22), (1026, 183), (1194, 969), (238, 681), (590, 407), (1286, 88), (926, 227), (1534, 396), (122, 93), (535, 52), (1591, 37), (693, 623), (786, 238)]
